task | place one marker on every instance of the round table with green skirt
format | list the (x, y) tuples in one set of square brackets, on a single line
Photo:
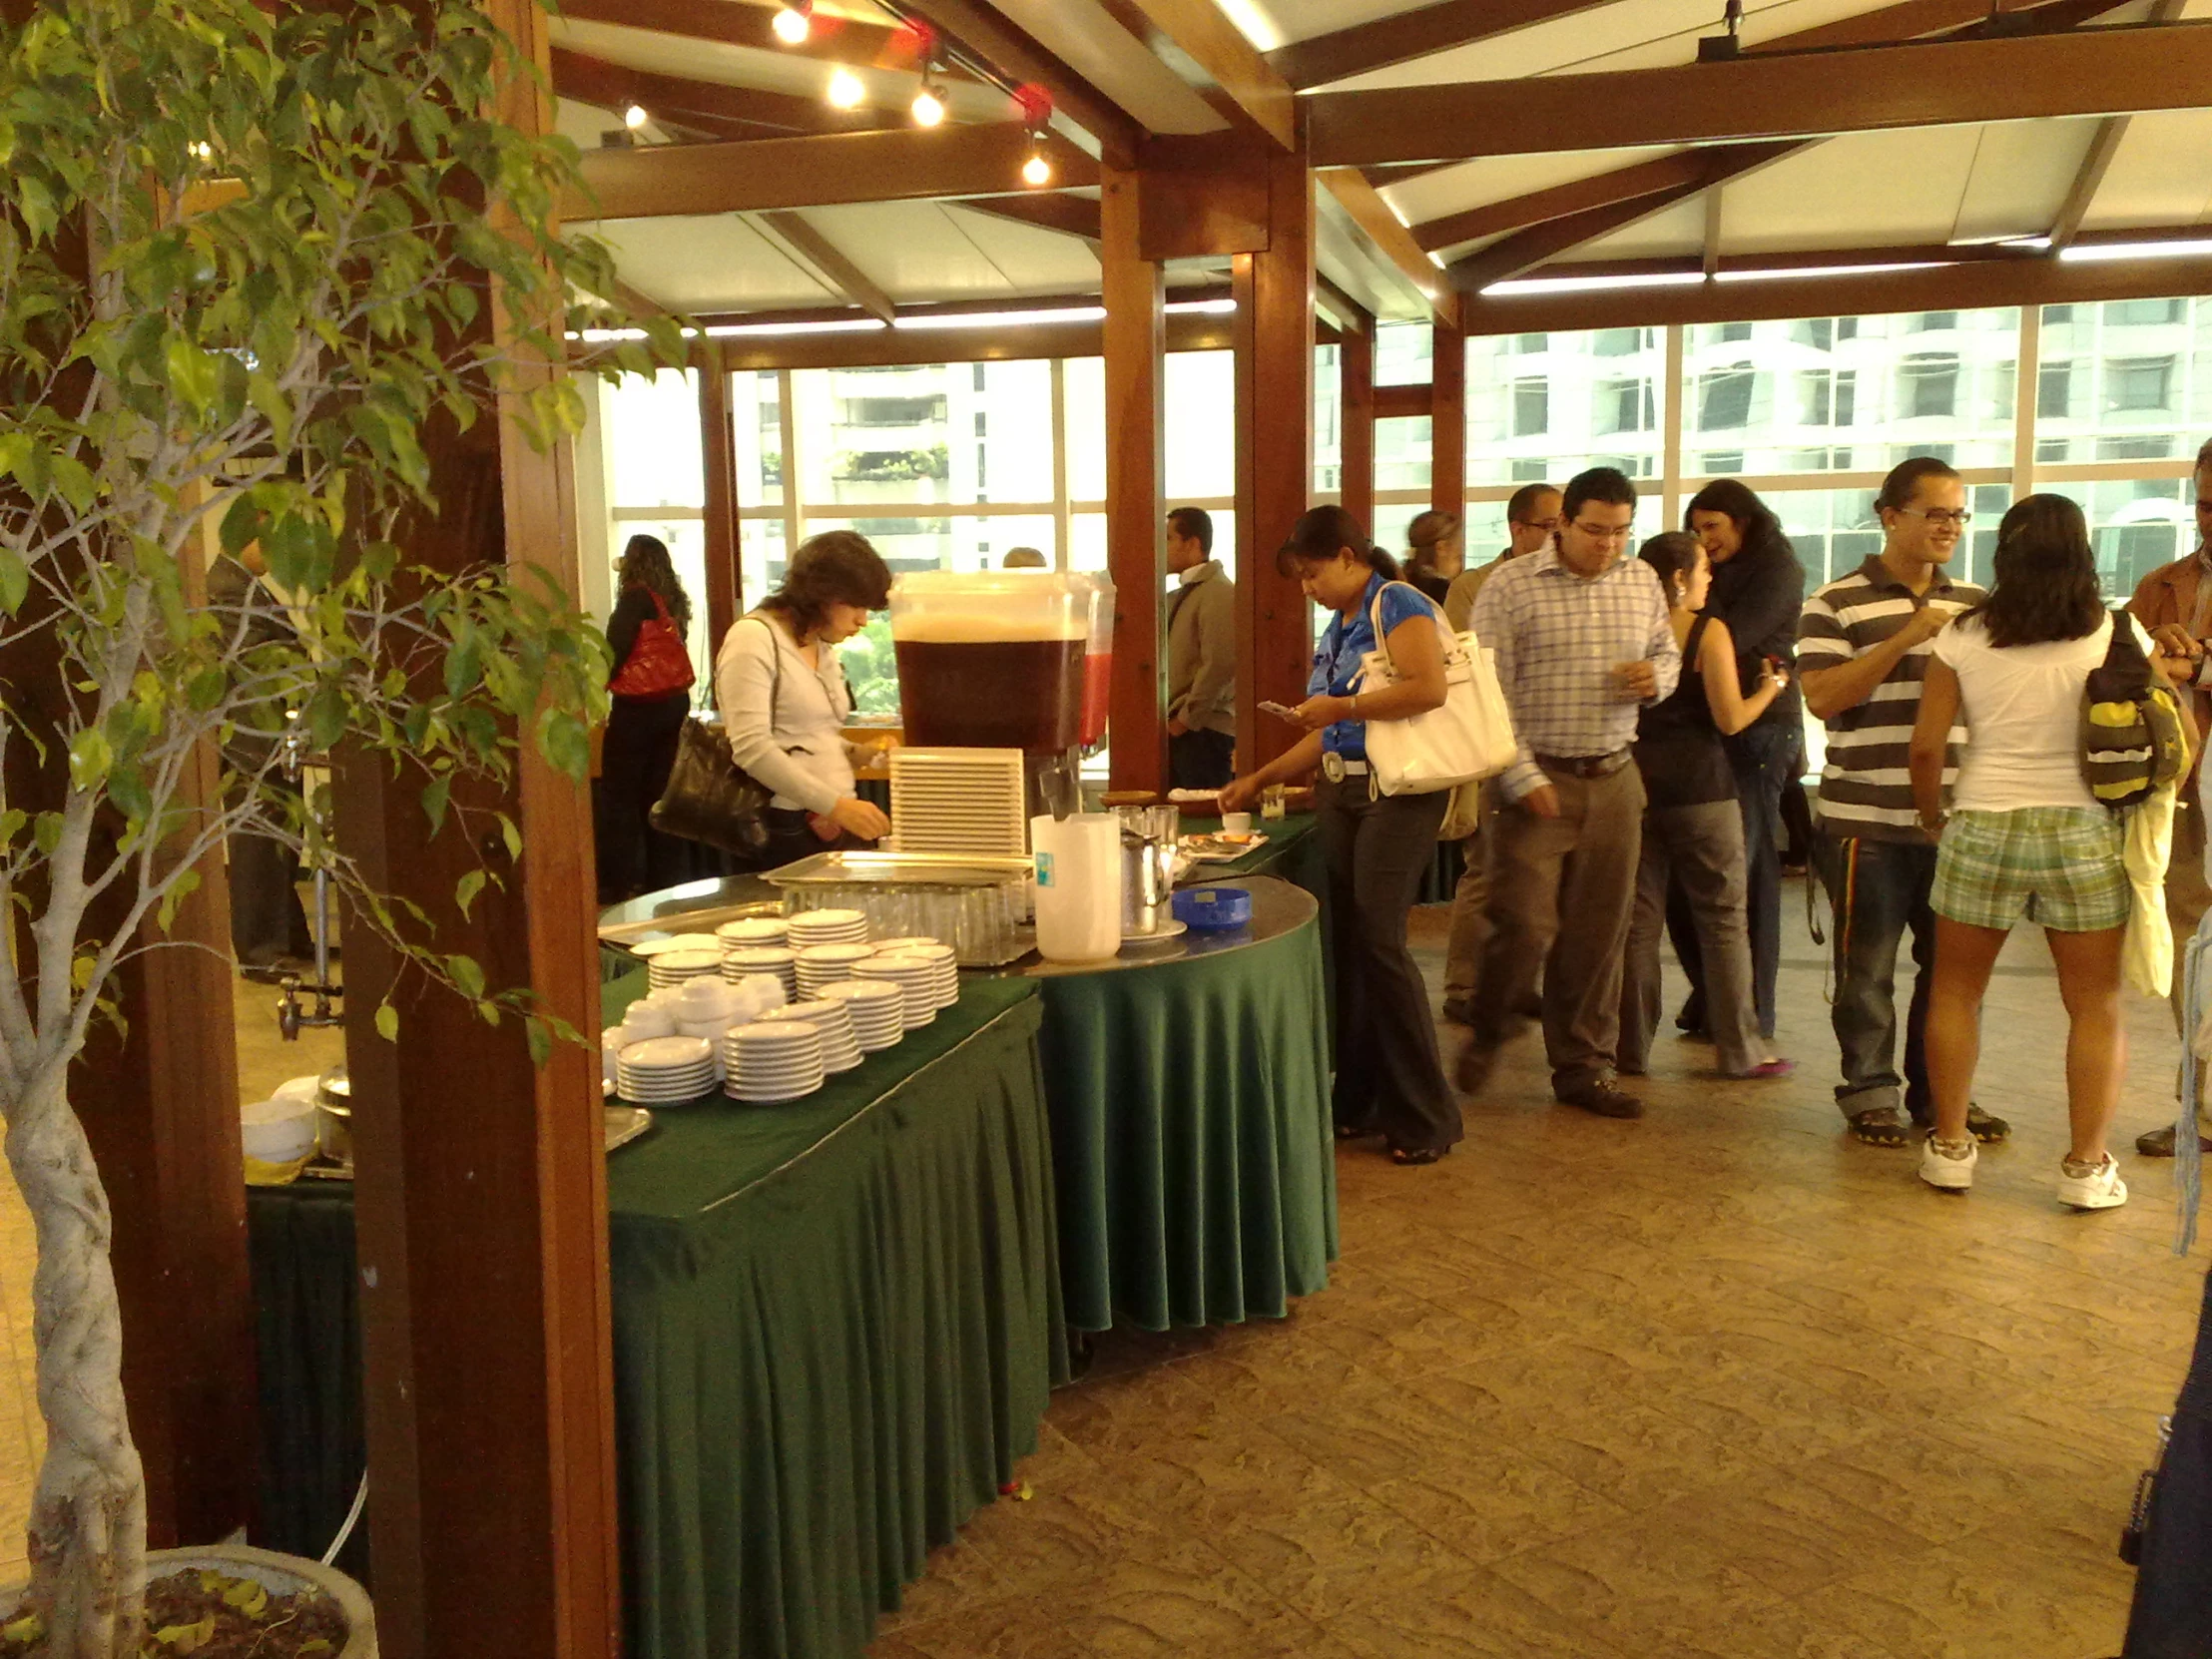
[(1188, 1087)]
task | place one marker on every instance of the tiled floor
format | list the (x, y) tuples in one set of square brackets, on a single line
[(1717, 1383)]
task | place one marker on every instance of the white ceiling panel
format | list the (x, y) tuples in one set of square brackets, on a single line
[(1304, 19), (2161, 176), (918, 250), (1629, 34), (718, 262), (1487, 178), (1861, 189), (1082, 35), (1679, 230), (1035, 261), (2022, 173)]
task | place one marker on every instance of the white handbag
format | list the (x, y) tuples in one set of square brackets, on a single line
[(1469, 737)]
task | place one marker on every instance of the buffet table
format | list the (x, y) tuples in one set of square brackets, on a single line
[(1191, 1141), (834, 1326)]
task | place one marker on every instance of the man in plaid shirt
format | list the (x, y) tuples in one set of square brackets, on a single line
[(1582, 646)]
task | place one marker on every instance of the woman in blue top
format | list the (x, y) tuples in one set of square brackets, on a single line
[(1389, 1079)]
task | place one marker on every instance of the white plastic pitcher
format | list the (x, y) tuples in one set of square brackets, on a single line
[(1078, 886)]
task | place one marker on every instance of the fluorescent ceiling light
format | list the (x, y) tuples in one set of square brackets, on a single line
[(2078, 254), (1252, 23), (1202, 307), (601, 337), (1003, 320), (834, 325), (1593, 285), (1829, 270)]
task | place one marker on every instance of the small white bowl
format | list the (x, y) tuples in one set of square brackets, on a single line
[(278, 1131)]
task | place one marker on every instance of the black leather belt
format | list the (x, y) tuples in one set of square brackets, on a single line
[(1586, 766)]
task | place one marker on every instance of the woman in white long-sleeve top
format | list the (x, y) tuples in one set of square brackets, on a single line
[(783, 699)]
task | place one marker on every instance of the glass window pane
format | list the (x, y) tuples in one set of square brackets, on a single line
[(873, 435), (757, 421), (1403, 352), (1401, 453), (2137, 525), (1545, 406), (760, 559), (651, 428), (686, 551), (1201, 425), (2123, 382), (1833, 394), (1085, 380), (1327, 419), (960, 542)]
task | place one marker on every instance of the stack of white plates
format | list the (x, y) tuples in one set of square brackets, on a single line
[(946, 985), (828, 928), (775, 960), (826, 964), (840, 1044), (674, 941), (878, 1012), (772, 1060), (663, 1070), (673, 967), (751, 930), (916, 976)]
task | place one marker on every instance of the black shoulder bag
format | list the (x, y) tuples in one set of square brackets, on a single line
[(710, 798)]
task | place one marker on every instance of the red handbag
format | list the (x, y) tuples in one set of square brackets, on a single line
[(658, 664)]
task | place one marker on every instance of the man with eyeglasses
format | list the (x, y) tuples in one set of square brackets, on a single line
[(1863, 642), (1583, 645), (2175, 603), (1531, 519)]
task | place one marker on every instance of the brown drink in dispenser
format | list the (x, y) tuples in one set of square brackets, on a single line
[(990, 660)]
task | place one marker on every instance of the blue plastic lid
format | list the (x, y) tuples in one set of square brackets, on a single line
[(1212, 910)]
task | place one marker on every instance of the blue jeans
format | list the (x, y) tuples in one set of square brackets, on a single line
[(1762, 759), (1878, 890)]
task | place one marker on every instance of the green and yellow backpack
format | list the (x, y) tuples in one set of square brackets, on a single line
[(2135, 736)]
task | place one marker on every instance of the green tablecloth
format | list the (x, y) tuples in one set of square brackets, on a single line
[(1191, 1136), (834, 1326)]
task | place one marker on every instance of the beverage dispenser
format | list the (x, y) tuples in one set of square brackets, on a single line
[(991, 659), (1098, 659)]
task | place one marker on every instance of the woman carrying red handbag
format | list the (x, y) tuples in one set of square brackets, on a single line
[(651, 694)]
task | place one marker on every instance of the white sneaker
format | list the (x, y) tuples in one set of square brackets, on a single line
[(2101, 1189), (1948, 1164)]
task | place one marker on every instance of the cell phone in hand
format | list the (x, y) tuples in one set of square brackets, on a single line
[(1279, 711)]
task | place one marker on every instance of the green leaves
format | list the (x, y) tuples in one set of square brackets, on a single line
[(15, 581)]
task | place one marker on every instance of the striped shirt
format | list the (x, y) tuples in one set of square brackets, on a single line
[(1866, 785), (1558, 638)]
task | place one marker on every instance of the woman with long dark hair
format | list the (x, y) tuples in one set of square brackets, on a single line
[(650, 688), (784, 696), (1389, 1080), (1693, 832), (1758, 590), (2024, 839)]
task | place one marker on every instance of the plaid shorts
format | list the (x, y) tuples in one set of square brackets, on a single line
[(2057, 866)]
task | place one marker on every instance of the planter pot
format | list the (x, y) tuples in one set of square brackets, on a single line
[(279, 1574)]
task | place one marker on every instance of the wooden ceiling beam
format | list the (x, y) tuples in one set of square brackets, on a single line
[(897, 165), (830, 40), (718, 107), (986, 32), (1861, 88), (824, 255), (1344, 53), (1603, 190), (2088, 179), (1072, 215), (1969, 284), (1540, 244), (1243, 85), (1392, 241)]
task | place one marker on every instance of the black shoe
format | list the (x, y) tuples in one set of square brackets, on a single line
[(1459, 1011), (1475, 1063), (2159, 1143), (1983, 1126), (1604, 1098)]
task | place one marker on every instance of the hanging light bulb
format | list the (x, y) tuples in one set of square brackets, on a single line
[(847, 90), (635, 116), (927, 108), (793, 22), (1036, 171)]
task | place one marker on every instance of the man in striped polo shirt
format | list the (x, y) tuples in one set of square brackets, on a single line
[(1863, 642)]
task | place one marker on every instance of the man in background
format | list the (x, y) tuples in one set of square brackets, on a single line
[(1202, 656), (1023, 558), (1530, 518), (2175, 603)]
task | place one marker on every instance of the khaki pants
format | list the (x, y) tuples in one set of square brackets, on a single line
[(1470, 922), (2188, 898), (1560, 890)]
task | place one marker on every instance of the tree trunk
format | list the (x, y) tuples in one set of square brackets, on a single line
[(87, 1515)]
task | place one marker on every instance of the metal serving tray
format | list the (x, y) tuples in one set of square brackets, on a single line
[(905, 870)]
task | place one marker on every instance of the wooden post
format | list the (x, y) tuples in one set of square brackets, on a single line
[(481, 1187), (1136, 551), (1448, 420), (718, 451), (1356, 419), (1275, 458)]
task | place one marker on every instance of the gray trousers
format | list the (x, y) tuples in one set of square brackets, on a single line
[(1470, 920), (1561, 892), (1703, 845)]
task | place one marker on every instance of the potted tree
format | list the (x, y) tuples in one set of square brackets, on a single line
[(247, 257)]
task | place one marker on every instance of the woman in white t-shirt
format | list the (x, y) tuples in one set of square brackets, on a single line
[(2025, 841)]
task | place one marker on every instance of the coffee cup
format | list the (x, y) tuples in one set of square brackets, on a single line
[(1236, 823)]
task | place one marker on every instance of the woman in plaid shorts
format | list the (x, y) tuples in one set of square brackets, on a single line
[(2025, 839)]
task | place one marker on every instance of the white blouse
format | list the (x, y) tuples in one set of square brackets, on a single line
[(795, 749)]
